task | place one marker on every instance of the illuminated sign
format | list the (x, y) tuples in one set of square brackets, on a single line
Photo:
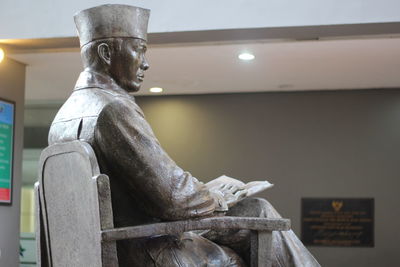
[(7, 110)]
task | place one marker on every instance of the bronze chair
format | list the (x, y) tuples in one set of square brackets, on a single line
[(75, 218)]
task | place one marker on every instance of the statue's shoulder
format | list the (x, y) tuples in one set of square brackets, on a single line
[(78, 116), (86, 102), (124, 105)]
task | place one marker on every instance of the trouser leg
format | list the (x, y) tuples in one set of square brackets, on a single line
[(287, 248)]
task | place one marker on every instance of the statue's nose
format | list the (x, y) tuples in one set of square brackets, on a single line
[(145, 65)]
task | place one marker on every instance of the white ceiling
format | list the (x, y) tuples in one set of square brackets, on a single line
[(215, 68)]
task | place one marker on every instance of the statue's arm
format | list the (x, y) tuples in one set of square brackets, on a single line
[(134, 153)]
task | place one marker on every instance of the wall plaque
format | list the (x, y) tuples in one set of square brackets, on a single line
[(337, 222)]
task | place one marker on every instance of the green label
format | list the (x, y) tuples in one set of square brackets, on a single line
[(6, 134)]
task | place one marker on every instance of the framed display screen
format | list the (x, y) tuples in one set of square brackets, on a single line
[(7, 112)]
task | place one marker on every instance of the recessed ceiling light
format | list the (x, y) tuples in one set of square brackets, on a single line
[(1, 55), (246, 56), (156, 89)]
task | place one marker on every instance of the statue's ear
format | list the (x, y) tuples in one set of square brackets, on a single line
[(104, 53)]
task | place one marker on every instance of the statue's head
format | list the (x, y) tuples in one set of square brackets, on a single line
[(113, 42)]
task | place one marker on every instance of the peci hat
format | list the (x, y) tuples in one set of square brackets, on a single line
[(108, 21)]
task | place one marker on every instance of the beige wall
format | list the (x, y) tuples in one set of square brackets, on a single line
[(12, 84), (309, 144)]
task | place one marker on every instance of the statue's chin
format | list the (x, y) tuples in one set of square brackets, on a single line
[(131, 87)]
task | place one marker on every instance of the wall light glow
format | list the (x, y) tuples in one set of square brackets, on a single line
[(1, 55), (156, 89), (246, 56)]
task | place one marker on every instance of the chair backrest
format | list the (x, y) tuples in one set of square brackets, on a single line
[(74, 205)]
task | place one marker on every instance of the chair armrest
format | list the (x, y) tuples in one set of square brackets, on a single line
[(177, 227)]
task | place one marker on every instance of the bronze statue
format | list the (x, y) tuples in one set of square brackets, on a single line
[(146, 184)]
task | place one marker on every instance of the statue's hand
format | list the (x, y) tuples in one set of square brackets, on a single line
[(220, 203), (233, 193), (229, 194)]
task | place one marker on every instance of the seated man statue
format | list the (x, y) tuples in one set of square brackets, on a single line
[(146, 184)]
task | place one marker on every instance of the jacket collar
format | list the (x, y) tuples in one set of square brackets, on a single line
[(91, 79)]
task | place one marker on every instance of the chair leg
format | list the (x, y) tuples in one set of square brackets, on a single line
[(261, 249), (42, 258)]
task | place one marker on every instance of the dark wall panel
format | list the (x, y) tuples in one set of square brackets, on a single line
[(309, 144)]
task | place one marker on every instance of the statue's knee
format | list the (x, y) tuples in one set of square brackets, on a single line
[(265, 208), (254, 207)]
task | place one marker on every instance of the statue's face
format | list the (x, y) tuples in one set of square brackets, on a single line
[(129, 63)]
